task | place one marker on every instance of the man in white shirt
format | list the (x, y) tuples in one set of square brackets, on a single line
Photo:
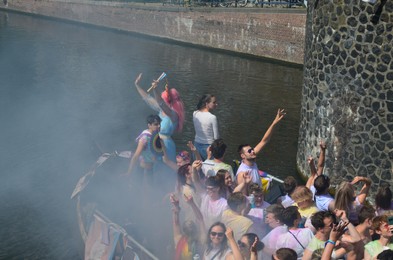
[(249, 154)]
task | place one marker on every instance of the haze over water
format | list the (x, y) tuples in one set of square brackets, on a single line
[(67, 95)]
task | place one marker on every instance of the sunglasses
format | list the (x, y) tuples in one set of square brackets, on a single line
[(218, 234), (250, 150), (241, 244)]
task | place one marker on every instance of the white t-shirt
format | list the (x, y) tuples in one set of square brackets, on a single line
[(212, 210), (206, 127), (270, 241), (210, 168), (253, 171), (304, 235)]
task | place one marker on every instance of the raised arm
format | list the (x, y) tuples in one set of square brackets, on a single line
[(163, 105), (353, 233), (194, 151), (268, 134), (146, 97), (198, 214), (243, 180), (196, 167), (175, 218), (233, 245), (313, 174), (365, 189), (321, 160), (335, 234)]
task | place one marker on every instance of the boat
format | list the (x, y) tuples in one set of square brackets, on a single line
[(103, 237), (110, 225)]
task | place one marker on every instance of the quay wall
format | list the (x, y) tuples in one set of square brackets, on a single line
[(347, 96), (263, 32)]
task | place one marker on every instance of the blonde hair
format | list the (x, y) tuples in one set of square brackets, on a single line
[(301, 193), (344, 196)]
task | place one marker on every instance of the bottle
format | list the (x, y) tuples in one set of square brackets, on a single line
[(251, 199)]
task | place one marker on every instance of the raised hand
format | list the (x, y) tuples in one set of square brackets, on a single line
[(280, 115), (138, 79)]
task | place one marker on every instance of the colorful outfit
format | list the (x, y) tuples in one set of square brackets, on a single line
[(206, 131), (166, 131), (184, 251), (147, 155)]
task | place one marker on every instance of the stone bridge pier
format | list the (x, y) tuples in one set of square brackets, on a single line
[(347, 95)]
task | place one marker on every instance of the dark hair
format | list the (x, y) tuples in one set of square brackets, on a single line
[(275, 209), (240, 148), (236, 200), (218, 148), (213, 181), (383, 198), (151, 119), (254, 187), (289, 215), (321, 183), (289, 184), (224, 242), (181, 173), (318, 217), (367, 211), (203, 100), (286, 254), (251, 239), (224, 190), (385, 255)]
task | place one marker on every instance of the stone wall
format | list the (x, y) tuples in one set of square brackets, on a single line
[(347, 91), (271, 33)]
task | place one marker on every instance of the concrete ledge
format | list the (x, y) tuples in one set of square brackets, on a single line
[(274, 33)]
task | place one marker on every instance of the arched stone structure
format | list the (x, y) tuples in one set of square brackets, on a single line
[(347, 96)]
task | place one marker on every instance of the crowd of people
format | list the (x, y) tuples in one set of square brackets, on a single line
[(219, 213)]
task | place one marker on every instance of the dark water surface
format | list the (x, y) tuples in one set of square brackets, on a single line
[(67, 93)]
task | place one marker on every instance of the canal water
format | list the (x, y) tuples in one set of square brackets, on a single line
[(67, 95)]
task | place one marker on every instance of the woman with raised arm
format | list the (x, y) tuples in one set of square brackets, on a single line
[(217, 247), (346, 198), (171, 111)]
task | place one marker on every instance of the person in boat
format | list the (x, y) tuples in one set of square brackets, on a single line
[(289, 187), (188, 239), (145, 150), (249, 245), (171, 111), (383, 201), (381, 227), (217, 243), (284, 254), (212, 202), (295, 238), (227, 184), (304, 201), (182, 158), (346, 198), (205, 124), (210, 167), (186, 188), (249, 154)]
